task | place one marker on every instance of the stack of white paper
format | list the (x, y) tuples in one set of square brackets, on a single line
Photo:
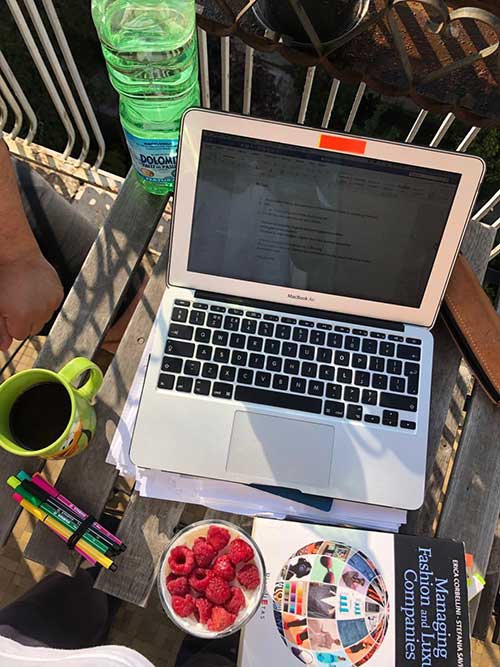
[(228, 496)]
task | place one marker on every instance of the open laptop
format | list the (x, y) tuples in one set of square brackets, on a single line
[(292, 346)]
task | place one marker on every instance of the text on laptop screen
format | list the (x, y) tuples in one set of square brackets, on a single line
[(319, 221)]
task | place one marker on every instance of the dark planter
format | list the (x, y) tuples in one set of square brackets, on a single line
[(331, 18)]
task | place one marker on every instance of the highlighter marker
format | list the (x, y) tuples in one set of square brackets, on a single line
[(70, 519), (36, 488), (52, 491), (20, 500), (56, 513), (59, 528)]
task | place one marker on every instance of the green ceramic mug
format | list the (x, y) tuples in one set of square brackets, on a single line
[(78, 416)]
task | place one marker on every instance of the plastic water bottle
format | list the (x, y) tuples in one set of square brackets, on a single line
[(151, 55)]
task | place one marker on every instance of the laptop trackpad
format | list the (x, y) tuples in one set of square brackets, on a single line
[(290, 452)]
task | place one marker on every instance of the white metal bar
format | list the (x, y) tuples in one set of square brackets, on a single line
[(12, 102), (468, 139), (496, 224), (495, 252), (77, 80), (489, 206), (23, 100), (204, 76), (225, 55), (3, 113), (44, 73), (416, 126), (306, 94), (60, 76), (247, 86), (334, 89), (443, 129), (355, 106)]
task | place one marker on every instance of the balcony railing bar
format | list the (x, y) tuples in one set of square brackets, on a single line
[(355, 106), (495, 252), (12, 102), (204, 75), (468, 139), (225, 49), (443, 129), (77, 80), (44, 73), (306, 95), (330, 104), (4, 112), (487, 208), (248, 81), (60, 77), (21, 97), (416, 126)]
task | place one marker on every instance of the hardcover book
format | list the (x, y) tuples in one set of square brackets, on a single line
[(339, 596)]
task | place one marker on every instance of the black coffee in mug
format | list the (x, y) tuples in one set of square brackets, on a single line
[(40, 415)]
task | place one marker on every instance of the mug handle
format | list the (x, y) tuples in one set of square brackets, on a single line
[(77, 367)]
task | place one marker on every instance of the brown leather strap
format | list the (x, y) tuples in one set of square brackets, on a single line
[(474, 325)]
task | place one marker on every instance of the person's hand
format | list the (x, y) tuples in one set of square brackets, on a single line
[(30, 292)]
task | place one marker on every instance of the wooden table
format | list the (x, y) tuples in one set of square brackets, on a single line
[(467, 511)]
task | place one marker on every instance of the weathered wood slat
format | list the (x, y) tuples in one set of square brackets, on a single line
[(146, 528), (496, 632), (86, 479), (147, 524), (476, 247), (472, 500), (489, 593), (470, 507)]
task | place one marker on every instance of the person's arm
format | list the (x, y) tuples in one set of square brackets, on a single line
[(30, 290)]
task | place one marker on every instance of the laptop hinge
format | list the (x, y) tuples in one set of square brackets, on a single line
[(298, 310)]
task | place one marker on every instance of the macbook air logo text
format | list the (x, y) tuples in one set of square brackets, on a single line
[(300, 298)]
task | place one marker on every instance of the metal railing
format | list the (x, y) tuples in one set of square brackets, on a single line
[(67, 94), (66, 106), (490, 209)]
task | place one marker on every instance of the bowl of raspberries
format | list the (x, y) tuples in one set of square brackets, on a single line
[(211, 579)]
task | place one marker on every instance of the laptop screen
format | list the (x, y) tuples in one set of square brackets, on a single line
[(314, 220)]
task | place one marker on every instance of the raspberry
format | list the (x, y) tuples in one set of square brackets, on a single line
[(224, 568), (249, 577), (218, 537), (236, 602), (199, 579), (239, 551), (203, 610), (183, 606), (220, 619), (218, 590), (177, 585), (203, 551), (181, 560)]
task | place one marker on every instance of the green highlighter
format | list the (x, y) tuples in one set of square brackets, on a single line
[(57, 514)]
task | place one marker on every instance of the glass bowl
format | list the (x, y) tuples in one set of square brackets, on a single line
[(186, 537)]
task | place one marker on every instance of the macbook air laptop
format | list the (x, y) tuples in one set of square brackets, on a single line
[(292, 346)]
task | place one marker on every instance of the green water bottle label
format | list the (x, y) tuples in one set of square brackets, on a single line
[(154, 159)]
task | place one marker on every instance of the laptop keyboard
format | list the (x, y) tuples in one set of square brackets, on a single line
[(313, 366)]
